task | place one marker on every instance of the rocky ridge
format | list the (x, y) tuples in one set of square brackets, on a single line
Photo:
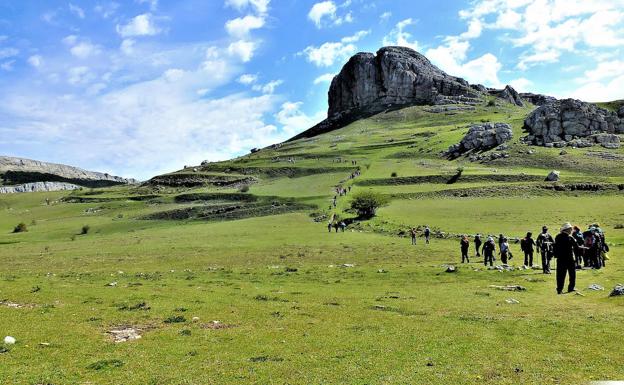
[(481, 137), (573, 123)]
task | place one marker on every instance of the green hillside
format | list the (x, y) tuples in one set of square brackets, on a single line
[(245, 242)]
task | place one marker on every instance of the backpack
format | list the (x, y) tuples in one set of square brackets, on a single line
[(523, 244)]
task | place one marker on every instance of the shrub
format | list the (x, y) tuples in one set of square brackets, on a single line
[(394, 175), (491, 103), (85, 229), (366, 203), (175, 319), (244, 189), (20, 228)]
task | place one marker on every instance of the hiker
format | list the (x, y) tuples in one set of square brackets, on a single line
[(577, 234), (592, 247), (412, 233), (544, 244), (489, 247), (427, 234), (337, 226), (500, 240), (504, 251), (343, 226), (464, 244), (329, 226), (565, 250), (477, 242), (526, 245)]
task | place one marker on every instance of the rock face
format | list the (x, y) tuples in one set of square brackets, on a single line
[(573, 123), (537, 99), (482, 137), (508, 94), (394, 77), (19, 174), (38, 187), (553, 176)]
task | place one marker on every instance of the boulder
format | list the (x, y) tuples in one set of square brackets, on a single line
[(621, 112), (509, 94), (537, 99), (482, 137), (574, 123), (553, 176), (617, 291)]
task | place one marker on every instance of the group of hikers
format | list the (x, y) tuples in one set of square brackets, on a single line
[(573, 248), (336, 224)]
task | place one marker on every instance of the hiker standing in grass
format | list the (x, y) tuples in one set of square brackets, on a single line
[(504, 251), (412, 233), (427, 234), (577, 234), (526, 245), (337, 225), (545, 243), (343, 226), (489, 247), (565, 250), (329, 226), (464, 244), (477, 242)]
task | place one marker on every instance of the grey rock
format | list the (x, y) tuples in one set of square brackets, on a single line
[(617, 291), (482, 137), (392, 78), (480, 88), (508, 94), (553, 176), (577, 123), (537, 99), (38, 187), (621, 112)]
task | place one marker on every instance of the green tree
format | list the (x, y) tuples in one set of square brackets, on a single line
[(366, 203)]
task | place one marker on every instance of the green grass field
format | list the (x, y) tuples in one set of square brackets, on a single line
[(297, 305)]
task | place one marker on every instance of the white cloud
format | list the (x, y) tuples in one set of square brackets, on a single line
[(106, 10), (294, 121), (127, 46), (601, 91), (327, 54), (604, 70), (84, 50), (76, 10), (268, 88), (35, 61), (153, 4), (248, 79), (7, 65), (325, 78), (141, 25), (242, 49), (398, 35), (521, 84), (325, 12), (260, 6), (241, 26), (79, 75), (385, 16), (8, 52), (451, 57)]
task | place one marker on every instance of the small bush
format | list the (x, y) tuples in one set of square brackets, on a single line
[(366, 203), (394, 175), (85, 229), (20, 228), (105, 364), (175, 319), (619, 226), (244, 189), (491, 103)]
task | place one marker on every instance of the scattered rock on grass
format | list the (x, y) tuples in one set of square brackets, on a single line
[(595, 287), (509, 287), (617, 291), (124, 334), (553, 176), (512, 301), (451, 269), (8, 340), (15, 305), (347, 265), (216, 325)]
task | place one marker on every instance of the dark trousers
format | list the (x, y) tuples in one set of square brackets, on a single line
[(477, 247), (528, 258), (465, 255), (488, 256), (413, 240), (504, 255), (564, 267), (546, 262)]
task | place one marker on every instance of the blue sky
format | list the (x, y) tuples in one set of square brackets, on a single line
[(140, 87)]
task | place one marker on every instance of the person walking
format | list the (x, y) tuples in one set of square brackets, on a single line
[(544, 244), (504, 251), (527, 244), (489, 247), (337, 226), (577, 234), (565, 250), (464, 244), (427, 234), (413, 235), (329, 226), (343, 226), (477, 242)]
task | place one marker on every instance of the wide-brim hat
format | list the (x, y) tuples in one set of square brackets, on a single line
[(566, 226)]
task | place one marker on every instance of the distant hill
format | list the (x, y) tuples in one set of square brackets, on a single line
[(26, 175)]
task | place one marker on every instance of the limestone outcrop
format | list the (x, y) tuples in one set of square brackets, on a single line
[(482, 137)]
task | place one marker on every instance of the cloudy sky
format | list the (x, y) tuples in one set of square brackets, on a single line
[(140, 87)]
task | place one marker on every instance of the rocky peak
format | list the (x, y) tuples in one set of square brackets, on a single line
[(508, 94)]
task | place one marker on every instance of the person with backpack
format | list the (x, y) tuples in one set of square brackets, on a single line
[(464, 245), (526, 245), (544, 244), (329, 226), (477, 242), (427, 234), (412, 233), (489, 248), (565, 249), (343, 226), (577, 234), (592, 247), (505, 253)]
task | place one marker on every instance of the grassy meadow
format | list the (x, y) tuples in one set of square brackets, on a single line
[(298, 305)]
